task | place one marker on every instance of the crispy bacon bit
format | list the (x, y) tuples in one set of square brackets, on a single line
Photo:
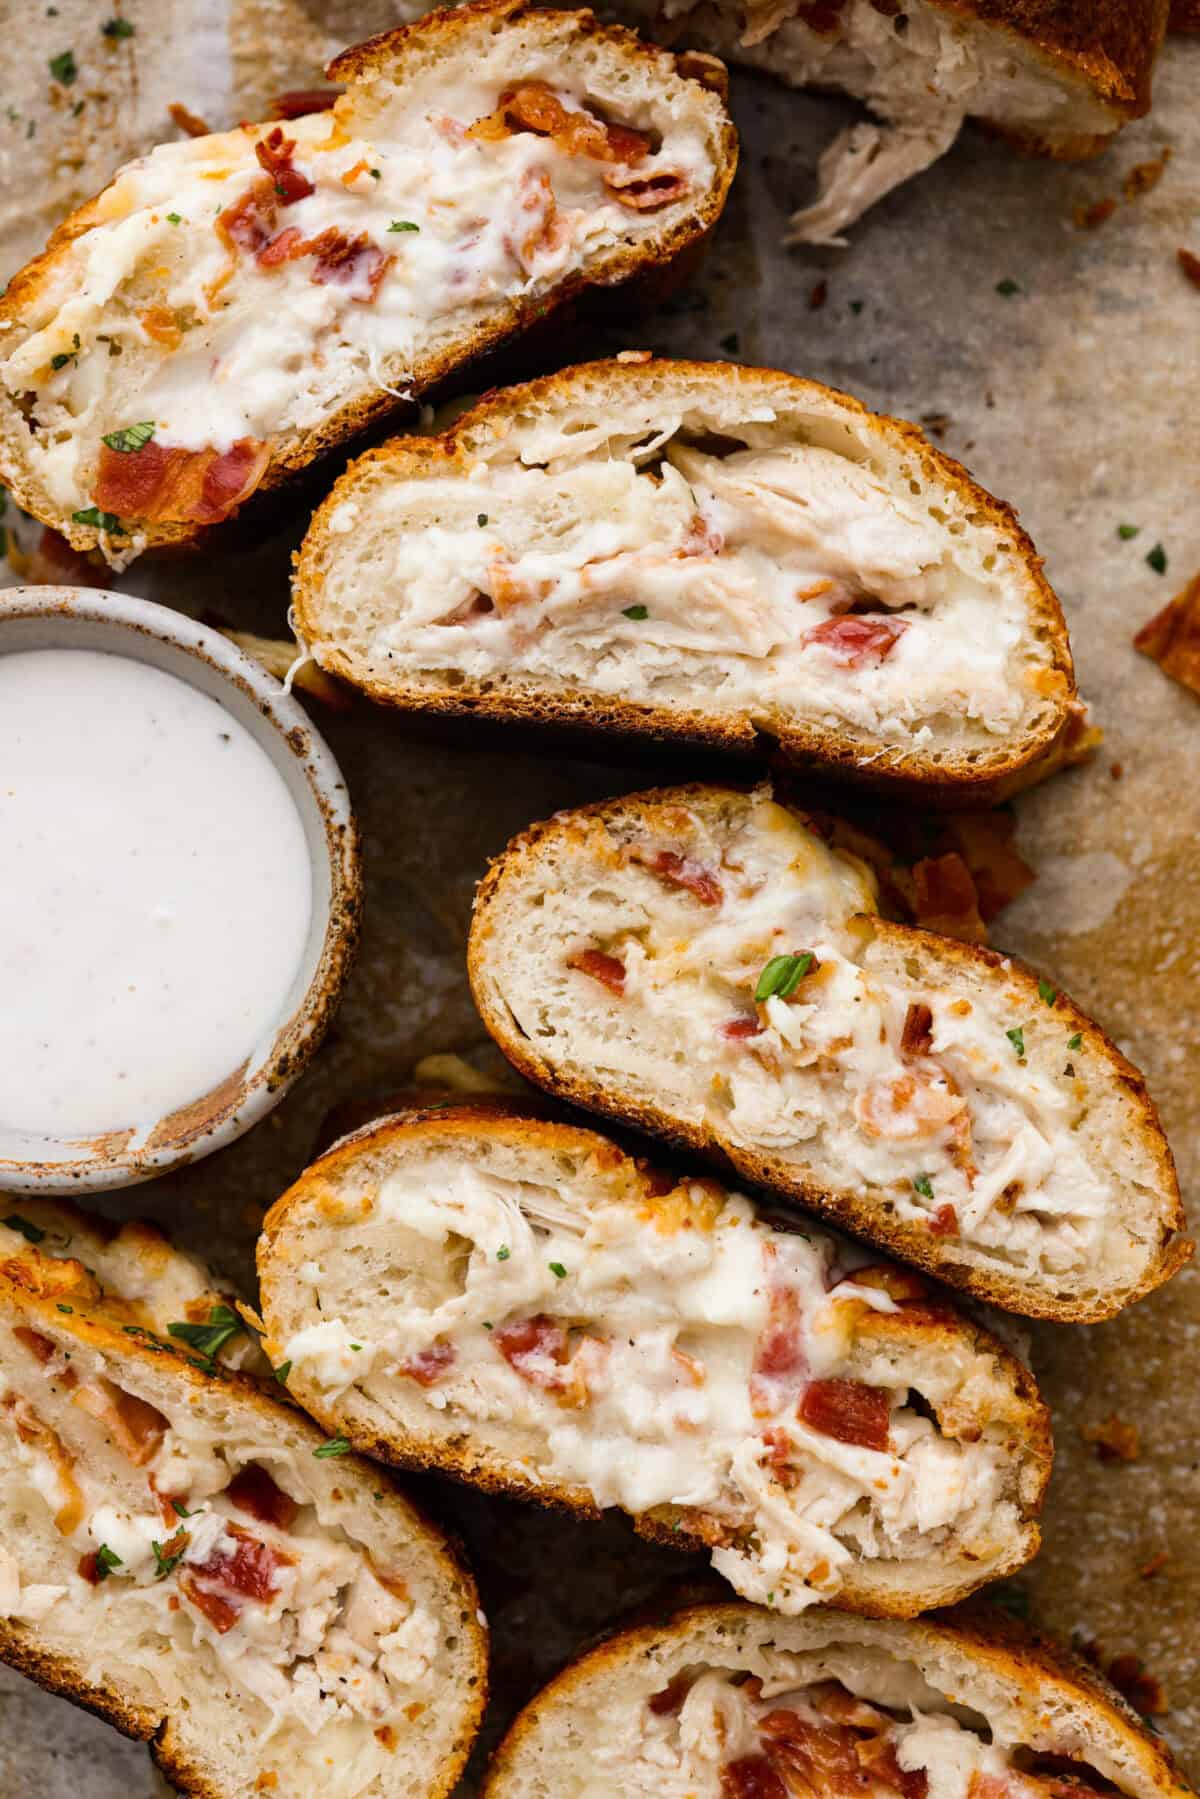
[(910, 1108), (751, 1777), (546, 232), (254, 1492), (298, 102), (1155, 1565), (1146, 175), (136, 1427), (606, 969), (916, 1039), (647, 193), (535, 107), (1115, 1439), (35, 1343), (848, 1411), (944, 1221), (674, 870), (275, 153), (780, 1364), (900, 1284), (1190, 264), (984, 841), (855, 639), (249, 222), (817, 295), (220, 1612), (355, 263), (428, 1365), (837, 1758), (1172, 637), (946, 900), (160, 324), (188, 121), (283, 247), (538, 1349), (169, 484), (670, 1700), (1144, 1691), (88, 1567), (737, 1030), (1087, 218), (219, 1586)]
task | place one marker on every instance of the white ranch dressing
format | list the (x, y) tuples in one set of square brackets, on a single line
[(156, 896)]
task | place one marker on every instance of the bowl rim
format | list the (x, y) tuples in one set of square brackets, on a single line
[(124, 1157)]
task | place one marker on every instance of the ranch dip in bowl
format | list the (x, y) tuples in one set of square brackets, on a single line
[(180, 895)]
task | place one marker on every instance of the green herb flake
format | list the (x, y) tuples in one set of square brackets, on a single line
[(1017, 1038), (103, 521), (117, 28), (130, 438), (61, 360), (488, 1325), (1126, 532), (401, 224), (31, 1233), (356, 1346), (62, 1308), (557, 1270), (282, 1372), (166, 1556), (1157, 558), (180, 1510), (1075, 1042), (481, 520), (503, 1253), (335, 1446), (1008, 287), (1046, 993), (782, 975), (106, 1560), (923, 1185), (64, 68), (375, 175), (208, 1339), (856, 307), (174, 218), (638, 613)]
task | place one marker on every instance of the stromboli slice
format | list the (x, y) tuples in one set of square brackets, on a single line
[(518, 1302), (700, 962), (185, 1554), (732, 1702), (233, 305), (698, 551)]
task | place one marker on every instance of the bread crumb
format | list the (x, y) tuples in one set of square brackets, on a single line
[(1190, 264), (188, 121), (1098, 213), (1145, 175), (635, 355), (1115, 1439), (818, 296)]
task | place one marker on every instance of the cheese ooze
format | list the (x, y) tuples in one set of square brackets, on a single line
[(676, 1356), (782, 575), (155, 316), (159, 893)]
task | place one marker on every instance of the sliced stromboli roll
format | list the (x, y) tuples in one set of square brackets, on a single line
[(696, 551), (732, 1702), (700, 962), (233, 305), (186, 1555), (521, 1304)]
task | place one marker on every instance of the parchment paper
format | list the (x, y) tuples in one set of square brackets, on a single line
[(1075, 398)]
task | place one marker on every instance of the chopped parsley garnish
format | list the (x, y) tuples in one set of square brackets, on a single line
[(1075, 1042), (1046, 993), (923, 1185), (374, 174), (557, 1269), (481, 520), (635, 612), (1008, 287), (106, 1560), (282, 1372), (130, 438), (1157, 558), (103, 521), (61, 360), (62, 1308), (180, 1510), (207, 1339), (400, 224), (503, 1253), (1125, 532), (356, 1346), (174, 218), (167, 1563), (782, 975), (488, 1325), (30, 1232), (1017, 1038), (115, 28), (335, 1446), (63, 67)]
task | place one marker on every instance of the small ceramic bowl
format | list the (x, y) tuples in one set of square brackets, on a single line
[(42, 618)]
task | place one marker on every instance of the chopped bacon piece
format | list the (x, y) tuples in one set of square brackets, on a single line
[(944, 1222), (248, 223), (1144, 1691), (674, 870), (848, 1411), (283, 247), (606, 969), (88, 1567), (137, 1428), (780, 1364), (646, 193), (275, 153), (916, 1039), (911, 1107), (354, 263), (221, 1613), (298, 102), (836, 1758), (900, 1284), (538, 1349), (1088, 217), (1189, 262), (220, 1585), (984, 840), (855, 639), (168, 484), (946, 899), (1172, 637), (737, 1030), (188, 121), (751, 1777), (253, 1491), (535, 107), (35, 1343), (546, 232), (428, 1365), (1116, 1439)]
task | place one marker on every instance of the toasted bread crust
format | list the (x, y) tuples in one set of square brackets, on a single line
[(1111, 45), (861, 1217), (918, 1325), (448, 31), (976, 1635), (967, 780), (64, 1676)]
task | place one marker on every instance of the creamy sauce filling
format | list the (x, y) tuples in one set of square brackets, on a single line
[(159, 899), (687, 1355), (787, 579), (158, 317)]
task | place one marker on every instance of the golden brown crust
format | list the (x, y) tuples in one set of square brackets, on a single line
[(447, 28), (1185, 15), (919, 1324), (1111, 44), (910, 1241), (996, 1643), (61, 1675), (963, 781)]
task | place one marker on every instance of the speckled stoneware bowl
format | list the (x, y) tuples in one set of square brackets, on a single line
[(40, 618)]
